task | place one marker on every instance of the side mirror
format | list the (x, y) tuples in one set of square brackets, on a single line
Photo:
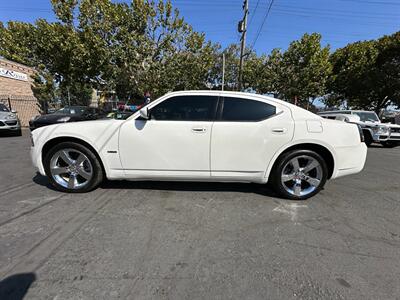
[(13, 111), (144, 113)]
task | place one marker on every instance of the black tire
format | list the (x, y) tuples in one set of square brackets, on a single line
[(367, 138), (389, 144), (97, 170), (19, 132), (275, 177)]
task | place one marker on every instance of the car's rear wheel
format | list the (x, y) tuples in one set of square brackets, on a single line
[(73, 168), (299, 174)]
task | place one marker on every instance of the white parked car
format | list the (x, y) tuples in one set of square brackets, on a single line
[(203, 136), (374, 130)]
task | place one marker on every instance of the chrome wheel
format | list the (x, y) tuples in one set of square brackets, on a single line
[(301, 175), (71, 169)]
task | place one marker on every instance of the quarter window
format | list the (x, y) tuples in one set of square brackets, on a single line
[(186, 108), (237, 109)]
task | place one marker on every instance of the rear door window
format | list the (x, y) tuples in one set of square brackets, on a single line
[(245, 110)]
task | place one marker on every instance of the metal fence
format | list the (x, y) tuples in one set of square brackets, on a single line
[(26, 106)]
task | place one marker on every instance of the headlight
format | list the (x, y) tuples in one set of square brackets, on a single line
[(35, 117), (65, 119), (11, 117), (382, 130)]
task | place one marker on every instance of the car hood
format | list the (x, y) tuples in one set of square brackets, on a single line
[(53, 118), (4, 114)]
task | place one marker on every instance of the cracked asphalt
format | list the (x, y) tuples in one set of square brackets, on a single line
[(164, 240)]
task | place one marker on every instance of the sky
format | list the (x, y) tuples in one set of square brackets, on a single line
[(339, 21)]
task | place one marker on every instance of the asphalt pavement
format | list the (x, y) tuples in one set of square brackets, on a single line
[(165, 240)]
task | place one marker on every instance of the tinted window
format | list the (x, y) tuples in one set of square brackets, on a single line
[(3, 107), (237, 109), (185, 108)]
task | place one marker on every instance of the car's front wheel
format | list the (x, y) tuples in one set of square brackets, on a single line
[(73, 168), (299, 174)]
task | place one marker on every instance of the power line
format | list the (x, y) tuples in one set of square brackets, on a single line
[(262, 24), (254, 12)]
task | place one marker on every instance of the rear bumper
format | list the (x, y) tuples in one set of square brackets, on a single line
[(349, 160)]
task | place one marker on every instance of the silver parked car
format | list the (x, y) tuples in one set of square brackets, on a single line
[(9, 121)]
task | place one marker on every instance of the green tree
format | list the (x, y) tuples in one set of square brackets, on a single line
[(126, 48), (306, 69), (301, 72), (366, 74)]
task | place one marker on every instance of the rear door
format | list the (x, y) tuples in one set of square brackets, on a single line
[(246, 135)]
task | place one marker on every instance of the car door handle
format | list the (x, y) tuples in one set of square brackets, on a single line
[(199, 129), (279, 130)]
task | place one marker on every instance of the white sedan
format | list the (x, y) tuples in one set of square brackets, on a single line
[(203, 136)]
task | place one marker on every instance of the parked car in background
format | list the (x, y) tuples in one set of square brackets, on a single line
[(9, 121), (66, 115), (203, 136), (120, 115), (373, 129)]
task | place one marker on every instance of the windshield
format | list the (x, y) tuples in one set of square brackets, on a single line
[(3, 107), (369, 116), (74, 110)]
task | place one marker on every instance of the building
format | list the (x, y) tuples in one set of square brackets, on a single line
[(15, 89)]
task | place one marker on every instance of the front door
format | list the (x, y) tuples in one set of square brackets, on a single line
[(173, 143)]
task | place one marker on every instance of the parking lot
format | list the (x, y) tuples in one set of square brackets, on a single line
[(163, 240)]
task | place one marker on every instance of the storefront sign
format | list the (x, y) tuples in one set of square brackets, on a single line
[(13, 75)]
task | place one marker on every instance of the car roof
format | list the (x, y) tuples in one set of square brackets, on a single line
[(231, 94)]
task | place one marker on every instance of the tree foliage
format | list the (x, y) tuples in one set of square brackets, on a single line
[(367, 74), (126, 48), (301, 72)]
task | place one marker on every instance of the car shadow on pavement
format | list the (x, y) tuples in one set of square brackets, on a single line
[(253, 188), (8, 134), (261, 189), (16, 286), (43, 181)]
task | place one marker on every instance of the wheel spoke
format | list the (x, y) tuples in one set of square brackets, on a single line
[(287, 177), (66, 158), (81, 158), (295, 164), (297, 189), (310, 166), (72, 182), (59, 170), (84, 174), (313, 181)]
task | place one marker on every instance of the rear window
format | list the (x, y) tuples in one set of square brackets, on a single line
[(244, 110)]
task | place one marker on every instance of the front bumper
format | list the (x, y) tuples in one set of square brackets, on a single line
[(36, 158), (10, 125)]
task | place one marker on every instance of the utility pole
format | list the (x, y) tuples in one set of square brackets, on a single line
[(242, 28), (223, 70)]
